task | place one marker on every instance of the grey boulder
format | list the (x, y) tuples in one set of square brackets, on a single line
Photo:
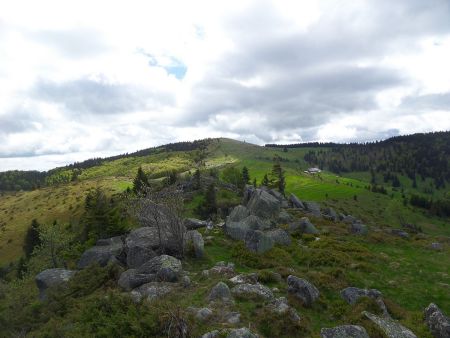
[(359, 229), (281, 307), (351, 294), (131, 279), (438, 323), (150, 291), (344, 331), (313, 208), (263, 204), (140, 246), (252, 290), (303, 290), (220, 292), (258, 241), (330, 214), (241, 333), (166, 268), (101, 254), (238, 213), (279, 236), (196, 239), (50, 278), (193, 224), (303, 226), (295, 202), (284, 217)]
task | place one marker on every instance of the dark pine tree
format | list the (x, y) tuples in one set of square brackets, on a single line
[(245, 175), (265, 181), (140, 182), (32, 239)]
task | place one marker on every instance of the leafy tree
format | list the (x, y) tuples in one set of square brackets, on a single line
[(140, 182), (245, 175), (32, 239)]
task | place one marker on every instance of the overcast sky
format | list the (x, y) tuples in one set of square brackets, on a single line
[(94, 78)]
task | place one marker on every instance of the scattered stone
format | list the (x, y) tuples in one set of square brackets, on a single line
[(194, 224), (257, 241), (359, 228), (263, 204), (166, 268), (391, 327), (438, 323), (203, 314), (194, 237), (220, 292), (344, 331), (212, 334), (400, 233), (250, 278), (100, 254), (351, 294), (241, 333), (302, 290), (50, 278), (349, 219), (295, 202), (222, 268), (258, 290), (313, 208), (233, 318), (279, 236), (304, 226), (131, 279), (284, 217), (150, 291), (436, 246), (140, 246)]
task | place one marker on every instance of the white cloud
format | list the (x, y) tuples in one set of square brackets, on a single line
[(90, 78)]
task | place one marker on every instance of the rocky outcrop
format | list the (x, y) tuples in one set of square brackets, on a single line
[(303, 290), (295, 202), (165, 267), (220, 292), (263, 204), (258, 241), (252, 290), (344, 331), (438, 323), (303, 226), (280, 306), (313, 208), (51, 278), (140, 246), (248, 193), (390, 327), (238, 214), (284, 217), (102, 253), (194, 238), (238, 230)]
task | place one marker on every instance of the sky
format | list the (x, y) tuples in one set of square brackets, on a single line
[(82, 79)]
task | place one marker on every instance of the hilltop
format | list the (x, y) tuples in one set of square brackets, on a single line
[(399, 248)]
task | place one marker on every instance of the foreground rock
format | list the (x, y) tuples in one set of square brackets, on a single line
[(303, 226), (131, 279), (351, 295), (258, 241), (252, 290), (295, 202), (281, 307), (303, 290), (345, 331), (150, 291), (438, 323), (194, 224), (105, 251), (220, 292), (279, 237), (390, 327), (238, 229), (50, 278), (140, 246), (313, 208), (238, 214), (263, 204), (165, 267)]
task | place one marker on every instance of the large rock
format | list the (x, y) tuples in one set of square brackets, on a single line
[(220, 292), (243, 332), (257, 241), (303, 226), (281, 307), (140, 246), (196, 239), (101, 254), (131, 279), (194, 224), (284, 217), (257, 290), (238, 213), (438, 323), (279, 236), (263, 204), (313, 208), (248, 193), (151, 291), (250, 278), (280, 197), (295, 202), (302, 290), (50, 278), (390, 327), (223, 269), (351, 294), (166, 268), (238, 230), (345, 331)]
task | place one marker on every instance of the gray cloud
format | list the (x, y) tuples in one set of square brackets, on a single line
[(430, 101), (85, 96), (16, 121)]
